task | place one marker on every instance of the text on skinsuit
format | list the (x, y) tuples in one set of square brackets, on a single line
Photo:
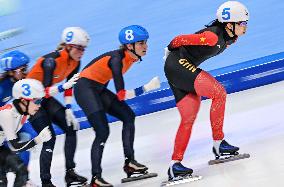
[(187, 65)]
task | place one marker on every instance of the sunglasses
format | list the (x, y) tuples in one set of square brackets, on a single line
[(37, 101), (243, 23), (79, 47)]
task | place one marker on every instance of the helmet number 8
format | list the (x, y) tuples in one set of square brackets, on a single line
[(69, 36), (129, 35), (27, 90), (226, 14)]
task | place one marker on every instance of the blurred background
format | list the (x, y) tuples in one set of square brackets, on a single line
[(39, 25)]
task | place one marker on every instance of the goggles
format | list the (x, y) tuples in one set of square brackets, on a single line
[(79, 47), (37, 101), (243, 23)]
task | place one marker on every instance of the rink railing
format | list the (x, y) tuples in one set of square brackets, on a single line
[(235, 78)]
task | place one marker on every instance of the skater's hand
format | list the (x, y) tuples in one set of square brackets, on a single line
[(71, 82), (44, 136), (167, 52), (71, 119), (152, 85)]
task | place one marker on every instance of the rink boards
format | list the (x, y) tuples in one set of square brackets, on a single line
[(235, 78)]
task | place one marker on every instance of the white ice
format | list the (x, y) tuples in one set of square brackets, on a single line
[(254, 121)]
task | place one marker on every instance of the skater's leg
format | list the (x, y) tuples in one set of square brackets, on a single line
[(71, 176), (9, 161), (188, 108), (70, 138), (4, 151), (39, 121), (208, 86), (91, 102), (99, 122), (123, 112)]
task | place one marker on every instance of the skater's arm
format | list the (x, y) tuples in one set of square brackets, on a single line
[(151, 85), (115, 65), (16, 145), (205, 38), (48, 66)]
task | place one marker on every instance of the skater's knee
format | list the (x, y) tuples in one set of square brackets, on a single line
[(188, 121), (15, 164), (21, 176), (102, 135), (70, 131), (221, 92), (49, 144), (128, 117)]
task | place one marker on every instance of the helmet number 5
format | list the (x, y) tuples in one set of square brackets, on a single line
[(129, 35), (27, 90), (226, 15)]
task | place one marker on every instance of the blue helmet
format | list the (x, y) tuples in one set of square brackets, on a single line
[(13, 60), (132, 34)]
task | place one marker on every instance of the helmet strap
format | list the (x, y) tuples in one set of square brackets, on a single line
[(134, 52), (17, 103), (234, 29)]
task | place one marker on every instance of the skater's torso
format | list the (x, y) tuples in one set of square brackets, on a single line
[(11, 122), (111, 65), (64, 67), (189, 51)]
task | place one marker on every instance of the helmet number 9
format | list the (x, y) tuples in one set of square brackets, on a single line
[(226, 15), (69, 36), (26, 89), (129, 35)]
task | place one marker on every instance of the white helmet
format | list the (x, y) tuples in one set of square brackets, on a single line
[(76, 36), (232, 11), (28, 89)]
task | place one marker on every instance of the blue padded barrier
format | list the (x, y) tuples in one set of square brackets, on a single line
[(235, 78)]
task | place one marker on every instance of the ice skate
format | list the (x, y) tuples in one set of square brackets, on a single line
[(136, 171), (99, 182), (226, 153), (179, 174), (73, 179)]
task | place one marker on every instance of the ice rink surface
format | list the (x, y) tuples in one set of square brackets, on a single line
[(254, 122)]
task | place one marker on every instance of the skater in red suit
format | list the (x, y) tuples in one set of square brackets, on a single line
[(188, 82)]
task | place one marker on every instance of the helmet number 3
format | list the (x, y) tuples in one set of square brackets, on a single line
[(226, 15), (129, 35), (26, 89), (69, 36)]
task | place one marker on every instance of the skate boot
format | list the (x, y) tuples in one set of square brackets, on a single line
[(133, 167), (139, 171), (99, 182), (177, 170), (225, 152), (224, 149), (73, 179)]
